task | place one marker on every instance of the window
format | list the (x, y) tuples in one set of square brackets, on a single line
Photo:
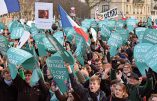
[(155, 7), (152, 12), (105, 8), (128, 0)]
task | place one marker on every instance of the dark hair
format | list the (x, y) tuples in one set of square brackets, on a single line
[(28, 72)]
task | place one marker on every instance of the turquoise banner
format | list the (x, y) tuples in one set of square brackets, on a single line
[(139, 53), (60, 74)]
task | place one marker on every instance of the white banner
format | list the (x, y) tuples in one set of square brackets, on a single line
[(43, 15), (23, 39), (106, 15)]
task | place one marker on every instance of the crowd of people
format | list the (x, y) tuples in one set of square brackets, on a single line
[(102, 78)]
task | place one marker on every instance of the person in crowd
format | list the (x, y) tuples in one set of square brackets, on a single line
[(39, 92), (94, 93), (8, 90), (153, 97), (119, 93), (69, 96)]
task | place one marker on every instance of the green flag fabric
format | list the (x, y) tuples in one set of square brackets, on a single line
[(139, 53), (13, 70), (60, 49), (17, 56), (55, 64)]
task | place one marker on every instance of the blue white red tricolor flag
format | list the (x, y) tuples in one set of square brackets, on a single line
[(9, 6), (67, 21)]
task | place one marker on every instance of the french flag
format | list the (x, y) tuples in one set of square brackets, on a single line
[(67, 21), (9, 6)]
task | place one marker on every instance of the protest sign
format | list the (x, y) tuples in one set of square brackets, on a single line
[(17, 56), (40, 44), (49, 47), (139, 53), (150, 36), (58, 47), (13, 25), (131, 23), (120, 24), (55, 64), (112, 13), (17, 33), (150, 58), (139, 31), (3, 44), (124, 34), (32, 62), (59, 36), (43, 15), (115, 40), (105, 33)]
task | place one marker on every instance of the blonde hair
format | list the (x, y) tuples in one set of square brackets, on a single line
[(125, 93), (95, 78)]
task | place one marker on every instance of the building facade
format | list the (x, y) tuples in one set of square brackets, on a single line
[(138, 8), (154, 9)]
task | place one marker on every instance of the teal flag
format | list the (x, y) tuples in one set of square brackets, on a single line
[(150, 36), (36, 76), (124, 34), (113, 50), (70, 34), (120, 24), (156, 21), (140, 32), (48, 46), (59, 36), (149, 21), (17, 33), (111, 24), (60, 49), (17, 56), (34, 30), (105, 33), (139, 53), (150, 58), (13, 25), (80, 51), (115, 40), (13, 70), (103, 23), (94, 25), (3, 44), (40, 44), (32, 62), (131, 23), (2, 26), (87, 23), (60, 74)]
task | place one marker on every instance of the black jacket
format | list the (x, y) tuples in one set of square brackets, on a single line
[(7, 93), (85, 93), (27, 93)]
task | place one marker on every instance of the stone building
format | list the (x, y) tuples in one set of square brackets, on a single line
[(138, 8)]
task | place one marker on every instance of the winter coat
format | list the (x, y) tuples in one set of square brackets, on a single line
[(7, 93), (84, 93), (113, 98), (27, 93)]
